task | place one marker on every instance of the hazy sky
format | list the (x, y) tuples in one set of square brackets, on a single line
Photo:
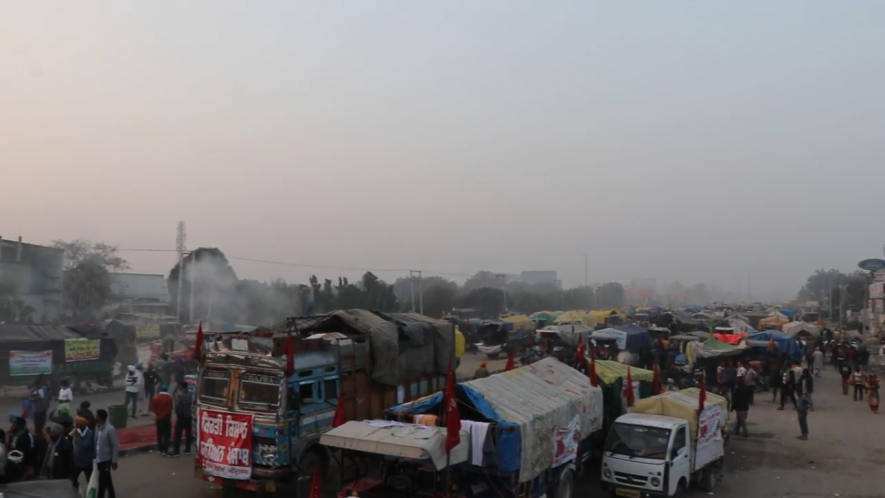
[(692, 141)]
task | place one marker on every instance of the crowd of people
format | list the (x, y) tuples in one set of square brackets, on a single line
[(60, 444)]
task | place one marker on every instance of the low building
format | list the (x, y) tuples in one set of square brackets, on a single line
[(31, 282)]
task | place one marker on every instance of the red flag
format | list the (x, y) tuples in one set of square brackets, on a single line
[(594, 378), (453, 416), (511, 361), (315, 484), (656, 380), (340, 418), (290, 356), (702, 393), (629, 388), (579, 352), (198, 345)]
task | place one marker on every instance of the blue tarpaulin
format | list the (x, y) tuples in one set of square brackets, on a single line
[(786, 345)]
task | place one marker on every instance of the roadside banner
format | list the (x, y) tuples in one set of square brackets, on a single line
[(30, 363), (147, 331), (82, 349), (225, 444)]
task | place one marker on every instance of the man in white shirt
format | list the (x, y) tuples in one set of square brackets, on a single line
[(65, 395)]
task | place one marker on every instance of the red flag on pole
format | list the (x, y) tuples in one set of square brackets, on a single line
[(594, 377), (453, 416), (702, 393), (340, 418), (290, 356), (511, 361), (656, 387), (628, 394), (198, 344), (315, 484)]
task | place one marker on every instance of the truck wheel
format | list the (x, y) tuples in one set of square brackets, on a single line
[(566, 486), (708, 479)]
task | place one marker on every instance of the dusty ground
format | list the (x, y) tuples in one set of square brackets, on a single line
[(845, 456)]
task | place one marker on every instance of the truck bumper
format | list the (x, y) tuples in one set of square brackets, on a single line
[(631, 492), (267, 483)]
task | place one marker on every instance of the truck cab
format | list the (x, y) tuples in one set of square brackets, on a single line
[(647, 456), (287, 414)]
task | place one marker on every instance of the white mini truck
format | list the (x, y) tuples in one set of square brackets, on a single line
[(665, 445)]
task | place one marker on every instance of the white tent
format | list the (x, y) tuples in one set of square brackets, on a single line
[(801, 328)]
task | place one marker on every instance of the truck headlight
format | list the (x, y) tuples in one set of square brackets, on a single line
[(655, 482), (606, 473)]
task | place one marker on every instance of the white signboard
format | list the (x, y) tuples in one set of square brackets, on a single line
[(710, 445)]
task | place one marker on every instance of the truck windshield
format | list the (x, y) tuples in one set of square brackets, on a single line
[(638, 441), (215, 387), (260, 391)]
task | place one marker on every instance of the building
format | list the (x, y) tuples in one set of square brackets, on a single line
[(30, 281), (139, 293)]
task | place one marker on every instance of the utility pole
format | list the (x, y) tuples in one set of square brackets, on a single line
[(181, 247), (503, 278), (412, 274), (193, 279)]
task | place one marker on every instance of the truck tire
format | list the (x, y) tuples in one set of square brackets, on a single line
[(566, 486), (708, 478)]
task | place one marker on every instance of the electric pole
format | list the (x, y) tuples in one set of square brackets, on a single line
[(412, 274), (181, 247), (193, 281)]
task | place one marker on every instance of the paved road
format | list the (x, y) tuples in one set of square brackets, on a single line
[(844, 457)]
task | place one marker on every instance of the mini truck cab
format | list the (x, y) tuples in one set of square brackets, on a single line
[(658, 455)]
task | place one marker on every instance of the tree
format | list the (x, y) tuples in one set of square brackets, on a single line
[(81, 250), (489, 301), (215, 286), (610, 295), (483, 279), (819, 286), (87, 279), (438, 300)]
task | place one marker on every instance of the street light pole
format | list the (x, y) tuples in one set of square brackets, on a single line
[(412, 274)]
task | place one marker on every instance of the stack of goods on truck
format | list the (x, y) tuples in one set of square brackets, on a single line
[(529, 428)]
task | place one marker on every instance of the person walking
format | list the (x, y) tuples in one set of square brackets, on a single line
[(184, 420), (481, 372), (806, 384), (84, 451), (65, 395), (58, 462), (162, 408), (845, 373), (39, 399), (817, 362), (872, 387), (788, 386), (740, 404), (857, 381), (750, 383), (776, 381), (802, 406), (133, 386), (151, 382), (107, 451)]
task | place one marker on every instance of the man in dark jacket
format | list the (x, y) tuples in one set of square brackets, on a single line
[(184, 421), (59, 459), (740, 404), (39, 399), (788, 386), (84, 451)]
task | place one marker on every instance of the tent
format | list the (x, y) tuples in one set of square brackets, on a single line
[(711, 348), (629, 337), (520, 322), (786, 344), (772, 322), (547, 317), (613, 377), (602, 316), (794, 329), (527, 405), (576, 317)]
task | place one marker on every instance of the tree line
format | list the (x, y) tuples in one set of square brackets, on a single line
[(219, 295), (835, 290)]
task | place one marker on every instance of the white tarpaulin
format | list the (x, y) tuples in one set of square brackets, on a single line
[(797, 328)]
